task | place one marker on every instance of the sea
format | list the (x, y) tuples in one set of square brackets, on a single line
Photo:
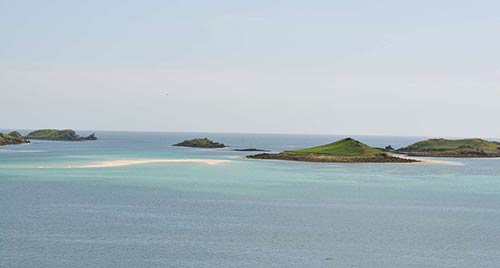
[(68, 204)]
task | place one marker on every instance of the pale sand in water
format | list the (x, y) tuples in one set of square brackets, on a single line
[(423, 161), (438, 162), (120, 163)]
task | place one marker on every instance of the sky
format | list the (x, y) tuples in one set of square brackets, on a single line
[(409, 68)]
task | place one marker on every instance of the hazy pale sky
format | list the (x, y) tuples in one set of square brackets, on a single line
[(421, 68)]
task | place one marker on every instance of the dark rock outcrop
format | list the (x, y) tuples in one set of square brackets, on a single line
[(90, 137), (201, 143)]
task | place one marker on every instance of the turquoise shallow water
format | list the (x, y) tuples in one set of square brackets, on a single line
[(244, 213)]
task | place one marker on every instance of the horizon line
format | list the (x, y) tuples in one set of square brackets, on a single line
[(260, 133)]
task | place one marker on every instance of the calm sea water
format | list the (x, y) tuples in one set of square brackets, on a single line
[(244, 213)]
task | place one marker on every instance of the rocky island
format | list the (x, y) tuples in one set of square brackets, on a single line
[(13, 137), (58, 135), (201, 143), (453, 148), (344, 151)]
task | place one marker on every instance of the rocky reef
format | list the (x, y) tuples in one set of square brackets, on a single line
[(201, 143)]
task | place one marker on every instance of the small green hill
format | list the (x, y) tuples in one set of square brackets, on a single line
[(346, 151), (58, 135), (347, 148), (201, 143), (453, 148), (12, 138)]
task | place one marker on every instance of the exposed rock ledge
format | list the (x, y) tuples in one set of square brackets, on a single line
[(201, 143)]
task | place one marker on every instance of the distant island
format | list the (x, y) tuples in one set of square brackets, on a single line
[(12, 138), (250, 150), (453, 148), (58, 135), (344, 151), (201, 143)]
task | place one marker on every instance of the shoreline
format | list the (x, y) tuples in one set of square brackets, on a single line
[(411, 161), (322, 158)]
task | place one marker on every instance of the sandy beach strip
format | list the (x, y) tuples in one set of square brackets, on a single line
[(428, 161), (437, 162), (129, 162)]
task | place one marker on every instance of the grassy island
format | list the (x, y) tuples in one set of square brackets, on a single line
[(453, 148), (344, 151), (13, 137), (58, 135), (201, 143)]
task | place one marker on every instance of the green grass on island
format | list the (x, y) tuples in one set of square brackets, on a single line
[(453, 148), (58, 135), (346, 150), (13, 137), (201, 143), (347, 147)]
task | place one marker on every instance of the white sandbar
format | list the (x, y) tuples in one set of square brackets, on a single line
[(425, 161), (129, 162)]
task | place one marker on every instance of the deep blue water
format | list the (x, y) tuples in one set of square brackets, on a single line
[(243, 213)]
